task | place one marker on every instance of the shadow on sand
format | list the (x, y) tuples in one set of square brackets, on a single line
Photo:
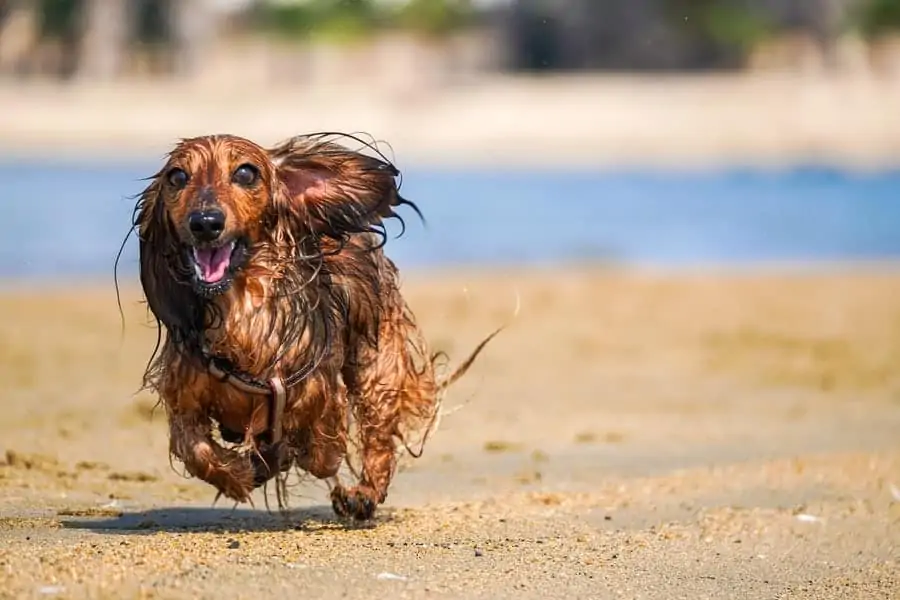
[(185, 519)]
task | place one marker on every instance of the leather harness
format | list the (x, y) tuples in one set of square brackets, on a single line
[(275, 389)]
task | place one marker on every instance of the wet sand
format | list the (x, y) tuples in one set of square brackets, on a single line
[(632, 435)]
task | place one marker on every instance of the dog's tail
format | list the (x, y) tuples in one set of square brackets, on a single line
[(461, 369), (454, 376)]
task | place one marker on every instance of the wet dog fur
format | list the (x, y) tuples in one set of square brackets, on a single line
[(270, 261)]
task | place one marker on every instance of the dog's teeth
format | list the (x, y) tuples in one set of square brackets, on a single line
[(197, 270)]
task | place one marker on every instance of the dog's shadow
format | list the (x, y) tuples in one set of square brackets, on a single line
[(224, 520)]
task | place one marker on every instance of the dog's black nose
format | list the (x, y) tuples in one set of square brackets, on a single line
[(206, 225)]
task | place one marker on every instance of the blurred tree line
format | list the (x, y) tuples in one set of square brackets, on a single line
[(718, 31), (537, 34), (680, 34)]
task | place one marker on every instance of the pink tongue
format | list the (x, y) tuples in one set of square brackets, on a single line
[(213, 262)]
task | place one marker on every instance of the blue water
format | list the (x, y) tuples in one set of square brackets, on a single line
[(68, 219)]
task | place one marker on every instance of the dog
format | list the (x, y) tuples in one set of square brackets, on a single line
[(282, 316)]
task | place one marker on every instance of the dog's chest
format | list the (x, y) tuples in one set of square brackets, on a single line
[(236, 410), (250, 329), (257, 344)]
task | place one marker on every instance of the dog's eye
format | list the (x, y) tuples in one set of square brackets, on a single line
[(245, 175), (177, 178)]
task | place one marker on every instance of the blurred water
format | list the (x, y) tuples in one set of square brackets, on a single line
[(67, 220)]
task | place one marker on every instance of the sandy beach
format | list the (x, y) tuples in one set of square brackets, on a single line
[(631, 435), (763, 119)]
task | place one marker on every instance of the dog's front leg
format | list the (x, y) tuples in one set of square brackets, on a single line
[(226, 470)]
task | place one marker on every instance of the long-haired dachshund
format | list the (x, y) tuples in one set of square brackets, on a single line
[(283, 317)]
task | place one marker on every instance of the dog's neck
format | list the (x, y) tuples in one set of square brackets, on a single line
[(264, 328)]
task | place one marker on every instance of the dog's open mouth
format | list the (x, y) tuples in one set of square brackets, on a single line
[(214, 266)]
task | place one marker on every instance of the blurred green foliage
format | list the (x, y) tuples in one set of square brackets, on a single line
[(58, 17), (335, 20), (346, 20), (743, 24), (434, 17), (742, 27), (736, 25), (874, 18)]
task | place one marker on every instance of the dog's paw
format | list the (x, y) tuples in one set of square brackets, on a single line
[(357, 502), (230, 473)]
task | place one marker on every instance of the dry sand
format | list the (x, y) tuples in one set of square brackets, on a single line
[(632, 435), (748, 119)]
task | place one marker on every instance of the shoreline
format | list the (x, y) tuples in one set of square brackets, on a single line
[(615, 121), (485, 273)]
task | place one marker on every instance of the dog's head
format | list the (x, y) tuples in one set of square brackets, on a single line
[(221, 204), (212, 197)]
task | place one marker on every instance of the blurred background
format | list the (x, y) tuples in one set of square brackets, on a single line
[(662, 131)]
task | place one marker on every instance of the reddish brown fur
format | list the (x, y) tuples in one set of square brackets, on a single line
[(316, 292)]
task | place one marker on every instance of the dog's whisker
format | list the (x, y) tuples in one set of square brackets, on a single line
[(452, 411), (518, 308)]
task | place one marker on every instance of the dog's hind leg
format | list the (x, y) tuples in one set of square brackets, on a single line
[(390, 388), (325, 435)]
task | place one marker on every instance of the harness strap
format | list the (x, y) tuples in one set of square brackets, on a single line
[(279, 397), (229, 377), (275, 389)]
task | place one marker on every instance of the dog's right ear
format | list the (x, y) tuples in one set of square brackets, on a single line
[(167, 290)]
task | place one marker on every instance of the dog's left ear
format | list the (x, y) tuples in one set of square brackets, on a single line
[(339, 191)]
